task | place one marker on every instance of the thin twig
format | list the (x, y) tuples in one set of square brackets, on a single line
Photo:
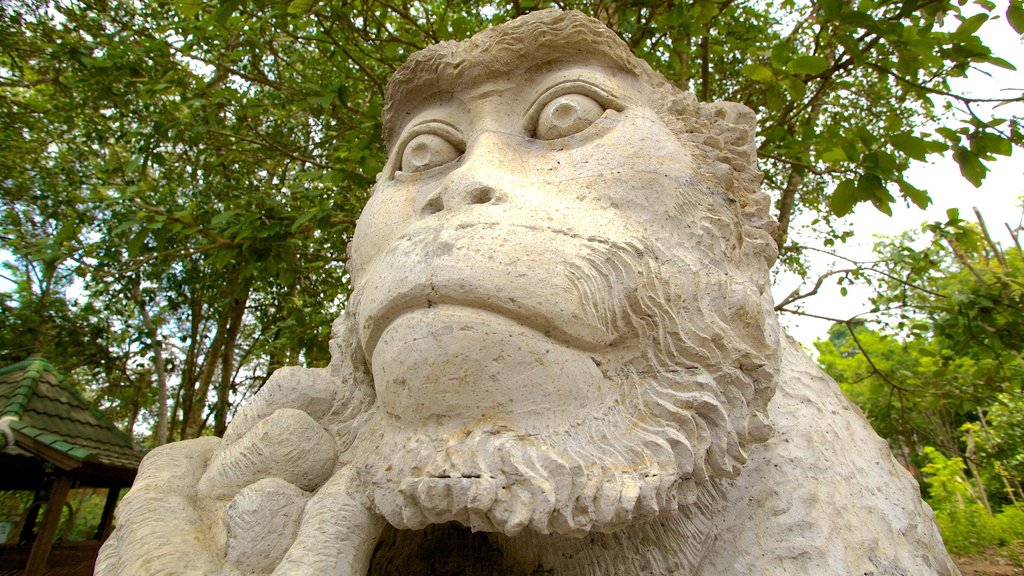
[(936, 91)]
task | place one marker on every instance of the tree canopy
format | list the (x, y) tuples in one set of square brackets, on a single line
[(180, 179), (940, 372)]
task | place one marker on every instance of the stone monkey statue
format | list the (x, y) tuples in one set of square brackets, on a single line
[(560, 357)]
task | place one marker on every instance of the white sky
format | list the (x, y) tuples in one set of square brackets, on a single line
[(998, 199)]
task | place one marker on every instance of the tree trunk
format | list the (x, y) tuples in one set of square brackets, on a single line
[(705, 68), (192, 414), (186, 395), (158, 365), (982, 496), (134, 409), (173, 424), (227, 368), (681, 50), (786, 203)]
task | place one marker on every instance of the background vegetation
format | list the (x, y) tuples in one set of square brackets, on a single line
[(180, 179), (939, 373)]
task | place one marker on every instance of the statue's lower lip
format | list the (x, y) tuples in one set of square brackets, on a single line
[(527, 318)]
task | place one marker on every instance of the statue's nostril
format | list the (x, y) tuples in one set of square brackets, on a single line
[(481, 195), (433, 205)]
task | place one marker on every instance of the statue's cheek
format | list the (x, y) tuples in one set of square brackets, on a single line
[(385, 216)]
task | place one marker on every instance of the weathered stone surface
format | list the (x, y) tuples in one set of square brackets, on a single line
[(560, 357)]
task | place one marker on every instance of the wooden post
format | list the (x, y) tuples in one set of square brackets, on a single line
[(108, 513), (28, 527), (51, 519)]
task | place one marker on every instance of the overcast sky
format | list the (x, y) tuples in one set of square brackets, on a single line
[(998, 199)]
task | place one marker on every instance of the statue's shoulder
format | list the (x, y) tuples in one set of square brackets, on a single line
[(824, 494)]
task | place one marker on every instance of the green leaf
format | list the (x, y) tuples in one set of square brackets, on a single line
[(797, 89), (1015, 16), (831, 8), (919, 197), (883, 207), (780, 54), (286, 276), (774, 97), (844, 198), (1000, 62), (971, 167), (851, 150), (136, 242), (871, 187), (834, 155), (300, 6), (303, 219), (916, 148), (223, 217), (225, 11), (323, 100), (908, 8), (67, 231), (808, 65), (885, 164), (985, 144), (949, 134), (334, 177), (757, 72), (971, 25), (188, 8)]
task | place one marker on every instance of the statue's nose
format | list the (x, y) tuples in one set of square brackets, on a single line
[(458, 193), (476, 181)]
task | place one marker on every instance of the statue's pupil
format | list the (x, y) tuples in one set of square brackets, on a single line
[(564, 113), (420, 153)]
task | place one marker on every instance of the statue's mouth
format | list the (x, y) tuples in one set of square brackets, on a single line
[(427, 296), (510, 271), (436, 550)]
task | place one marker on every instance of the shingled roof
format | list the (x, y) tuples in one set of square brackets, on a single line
[(43, 415)]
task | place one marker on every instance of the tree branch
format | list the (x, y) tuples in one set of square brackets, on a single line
[(936, 91)]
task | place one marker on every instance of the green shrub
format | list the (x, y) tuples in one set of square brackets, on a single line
[(968, 529), (1011, 524), (966, 526)]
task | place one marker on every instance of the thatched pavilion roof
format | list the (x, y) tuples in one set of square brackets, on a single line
[(43, 416)]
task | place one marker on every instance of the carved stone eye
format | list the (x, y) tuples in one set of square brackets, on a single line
[(566, 115), (428, 151)]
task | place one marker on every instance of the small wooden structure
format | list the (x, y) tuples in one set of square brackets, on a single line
[(52, 440)]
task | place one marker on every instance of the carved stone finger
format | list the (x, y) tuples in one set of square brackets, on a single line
[(288, 444), (337, 534), (310, 390), (158, 530), (261, 523)]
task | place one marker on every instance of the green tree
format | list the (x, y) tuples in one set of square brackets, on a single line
[(914, 393), (944, 368), (180, 184), (941, 375)]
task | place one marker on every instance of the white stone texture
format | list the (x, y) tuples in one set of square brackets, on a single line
[(560, 357)]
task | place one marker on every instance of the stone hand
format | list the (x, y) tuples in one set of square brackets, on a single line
[(264, 499)]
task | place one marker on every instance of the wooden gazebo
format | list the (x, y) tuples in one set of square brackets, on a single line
[(53, 440)]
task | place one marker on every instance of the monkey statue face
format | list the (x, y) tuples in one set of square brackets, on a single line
[(562, 311)]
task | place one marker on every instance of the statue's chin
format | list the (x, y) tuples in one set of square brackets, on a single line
[(451, 367)]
